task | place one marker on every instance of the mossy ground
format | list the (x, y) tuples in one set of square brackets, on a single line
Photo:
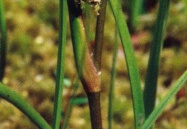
[(32, 55)]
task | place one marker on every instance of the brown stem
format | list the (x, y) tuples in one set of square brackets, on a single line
[(88, 72), (90, 77), (95, 111), (99, 35)]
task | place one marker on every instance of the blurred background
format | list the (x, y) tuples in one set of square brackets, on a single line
[(32, 32)]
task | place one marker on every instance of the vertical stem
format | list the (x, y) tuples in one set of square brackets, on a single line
[(94, 97), (2, 40), (85, 65), (87, 20), (60, 66), (135, 8), (99, 35), (95, 111), (111, 90)]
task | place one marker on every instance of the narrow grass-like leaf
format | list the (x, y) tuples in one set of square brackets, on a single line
[(2, 40), (70, 106), (15, 99), (159, 109), (138, 105), (153, 65), (113, 74), (135, 8), (60, 66)]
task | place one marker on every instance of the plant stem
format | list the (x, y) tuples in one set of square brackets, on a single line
[(2, 40), (84, 63), (87, 18), (99, 35), (135, 8), (113, 73), (95, 111), (21, 104), (60, 66), (87, 72)]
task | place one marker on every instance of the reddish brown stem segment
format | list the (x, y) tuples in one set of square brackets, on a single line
[(95, 111), (90, 77)]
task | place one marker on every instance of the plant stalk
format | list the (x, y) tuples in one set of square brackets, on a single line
[(135, 9), (2, 41), (95, 109), (99, 35), (113, 74), (87, 72)]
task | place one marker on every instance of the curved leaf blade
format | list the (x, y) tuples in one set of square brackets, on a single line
[(21, 104), (159, 109), (153, 64), (137, 96)]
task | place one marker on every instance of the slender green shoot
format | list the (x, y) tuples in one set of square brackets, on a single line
[(60, 65), (113, 74), (137, 96), (135, 9), (160, 108), (2, 40), (70, 106), (77, 34), (99, 35), (15, 99), (153, 65)]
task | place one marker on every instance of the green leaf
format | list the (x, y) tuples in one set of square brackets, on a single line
[(21, 104), (60, 66), (2, 40), (80, 100), (159, 109), (138, 105), (113, 74), (153, 65), (78, 36), (135, 9)]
